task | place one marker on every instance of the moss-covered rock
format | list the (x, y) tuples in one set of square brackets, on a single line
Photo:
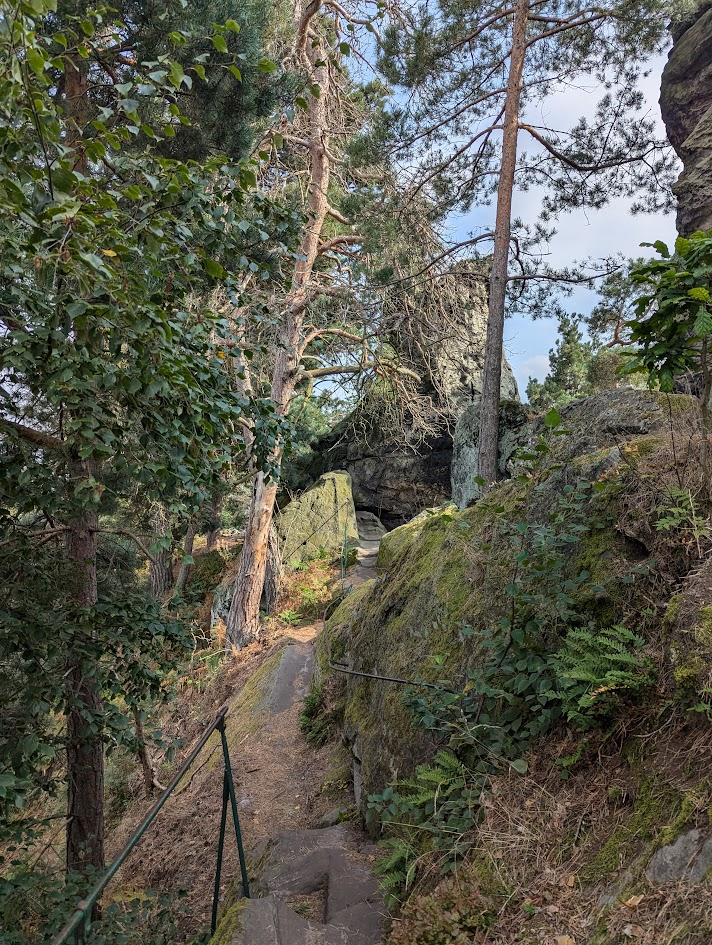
[(444, 575), (321, 519)]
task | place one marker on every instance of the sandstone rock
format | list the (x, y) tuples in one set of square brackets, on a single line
[(299, 863), (688, 859), (395, 479), (322, 518), (686, 105), (513, 416), (436, 579)]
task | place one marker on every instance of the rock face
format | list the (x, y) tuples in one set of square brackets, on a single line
[(513, 416), (435, 578), (321, 519), (686, 105), (592, 423), (391, 478)]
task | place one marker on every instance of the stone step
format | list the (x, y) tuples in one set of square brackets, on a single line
[(333, 860)]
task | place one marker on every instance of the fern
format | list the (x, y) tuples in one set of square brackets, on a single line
[(430, 813), (596, 669)]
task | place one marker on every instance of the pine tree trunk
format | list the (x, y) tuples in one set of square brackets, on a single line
[(85, 749), (243, 622), (185, 567), (274, 571), (160, 571), (491, 377)]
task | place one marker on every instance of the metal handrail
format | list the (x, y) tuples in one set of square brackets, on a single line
[(82, 916)]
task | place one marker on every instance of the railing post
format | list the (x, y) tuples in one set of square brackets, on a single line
[(235, 817), (218, 865)]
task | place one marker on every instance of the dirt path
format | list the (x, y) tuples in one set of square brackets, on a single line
[(288, 792)]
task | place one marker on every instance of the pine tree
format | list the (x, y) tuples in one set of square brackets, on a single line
[(462, 134)]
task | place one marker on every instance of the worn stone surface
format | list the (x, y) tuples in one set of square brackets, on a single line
[(686, 105), (688, 859), (321, 518), (334, 860)]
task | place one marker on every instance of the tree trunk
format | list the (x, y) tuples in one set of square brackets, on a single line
[(185, 567), (160, 570), (213, 535), (150, 780), (243, 622), (491, 377), (85, 749), (274, 571)]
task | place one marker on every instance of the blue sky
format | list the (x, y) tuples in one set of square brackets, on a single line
[(580, 235)]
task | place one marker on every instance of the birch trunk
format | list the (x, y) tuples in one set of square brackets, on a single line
[(491, 378)]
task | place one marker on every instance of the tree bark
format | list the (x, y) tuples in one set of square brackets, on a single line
[(243, 622), (185, 567), (491, 377), (213, 534), (160, 571), (274, 571), (150, 779), (85, 749)]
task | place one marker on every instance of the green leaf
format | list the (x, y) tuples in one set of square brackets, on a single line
[(552, 419), (36, 61), (219, 43), (266, 65), (703, 322), (232, 25), (176, 74), (213, 268)]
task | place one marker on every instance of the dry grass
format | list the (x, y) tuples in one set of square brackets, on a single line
[(540, 834)]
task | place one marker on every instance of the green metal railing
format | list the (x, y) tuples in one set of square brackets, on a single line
[(79, 924)]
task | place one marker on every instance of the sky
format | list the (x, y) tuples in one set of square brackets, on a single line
[(580, 235)]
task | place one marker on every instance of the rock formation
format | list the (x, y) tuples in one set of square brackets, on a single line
[(395, 475), (321, 519), (686, 105), (435, 578)]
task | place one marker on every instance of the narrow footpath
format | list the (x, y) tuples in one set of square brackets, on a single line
[(313, 883)]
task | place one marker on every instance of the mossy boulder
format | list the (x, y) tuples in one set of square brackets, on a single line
[(321, 519), (444, 575)]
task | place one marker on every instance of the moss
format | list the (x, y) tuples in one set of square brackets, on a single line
[(659, 813), (703, 630), (672, 610), (676, 405), (205, 575), (230, 924), (243, 717)]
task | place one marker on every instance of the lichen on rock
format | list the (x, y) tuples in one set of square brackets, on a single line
[(321, 519)]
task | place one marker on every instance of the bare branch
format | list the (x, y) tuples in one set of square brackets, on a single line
[(36, 437)]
